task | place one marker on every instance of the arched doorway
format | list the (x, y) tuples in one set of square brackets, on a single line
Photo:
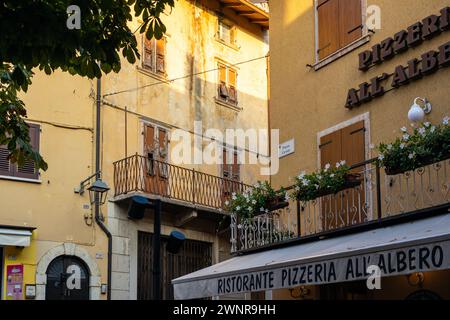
[(67, 279)]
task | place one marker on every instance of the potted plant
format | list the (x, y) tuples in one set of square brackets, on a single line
[(324, 182), (260, 199), (425, 145)]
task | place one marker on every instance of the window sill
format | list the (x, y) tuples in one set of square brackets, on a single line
[(234, 107), (153, 75), (342, 52), (229, 45), (35, 181)]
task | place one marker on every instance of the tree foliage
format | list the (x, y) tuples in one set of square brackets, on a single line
[(33, 34)]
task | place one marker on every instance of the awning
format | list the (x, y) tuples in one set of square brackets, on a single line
[(422, 245), (17, 237)]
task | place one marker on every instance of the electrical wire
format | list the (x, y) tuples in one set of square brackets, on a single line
[(114, 106), (181, 78)]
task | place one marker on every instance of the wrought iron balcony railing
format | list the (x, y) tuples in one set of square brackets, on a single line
[(139, 174), (378, 197)]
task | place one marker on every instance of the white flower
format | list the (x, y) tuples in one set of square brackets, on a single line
[(234, 197), (250, 209), (412, 155), (238, 208), (432, 129), (327, 166), (446, 120), (267, 211), (404, 129), (427, 124), (343, 162), (402, 146), (297, 188), (422, 131), (381, 157), (254, 201), (389, 146), (227, 203), (319, 176), (338, 164), (332, 175), (261, 209), (317, 186), (406, 137), (305, 182)]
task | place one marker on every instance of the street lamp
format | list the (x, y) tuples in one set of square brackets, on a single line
[(98, 192)]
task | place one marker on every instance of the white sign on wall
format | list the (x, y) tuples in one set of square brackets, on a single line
[(286, 148)]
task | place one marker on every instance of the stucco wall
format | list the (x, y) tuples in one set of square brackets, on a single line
[(305, 102)]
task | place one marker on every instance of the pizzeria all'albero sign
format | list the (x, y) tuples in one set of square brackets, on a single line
[(415, 69)]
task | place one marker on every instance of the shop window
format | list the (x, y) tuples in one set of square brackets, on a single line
[(154, 56), (227, 85), (340, 22), (28, 169)]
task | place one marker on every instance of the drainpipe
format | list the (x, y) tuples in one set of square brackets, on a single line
[(98, 218)]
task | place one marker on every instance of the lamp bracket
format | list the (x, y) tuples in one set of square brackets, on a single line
[(81, 188), (427, 107)]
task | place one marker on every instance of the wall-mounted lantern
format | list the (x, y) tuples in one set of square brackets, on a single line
[(417, 113)]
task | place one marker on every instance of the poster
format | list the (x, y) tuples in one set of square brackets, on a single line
[(14, 282)]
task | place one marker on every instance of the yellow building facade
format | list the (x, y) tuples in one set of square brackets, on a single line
[(320, 50), (208, 72)]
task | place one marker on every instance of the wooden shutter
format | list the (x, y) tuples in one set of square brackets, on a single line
[(345, 144), (330, 149), (350, 21), (226, 167), (232, 91), (163, 148), (28, 170), (149, 138), (235, 167), (160, 55), (353, 150), (148, 54), (328, 22), (5, 164)]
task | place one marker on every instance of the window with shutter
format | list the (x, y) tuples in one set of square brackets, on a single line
[(154, 56), (227, 86), (339, 24), (28, 169), (345, 144), (5, 165)]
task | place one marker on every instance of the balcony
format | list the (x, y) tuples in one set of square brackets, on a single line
[(139, 175), (379, 199)]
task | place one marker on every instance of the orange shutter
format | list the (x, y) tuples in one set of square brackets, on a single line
[(225, 165), (330, 149), (350, 21), (163, 148), (232, 91), (149, 139), (160, 55), (353, 146), (148, 54), (236, 175), (328, 21)]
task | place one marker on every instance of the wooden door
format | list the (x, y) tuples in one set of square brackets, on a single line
[(156, 167), (345, 208)]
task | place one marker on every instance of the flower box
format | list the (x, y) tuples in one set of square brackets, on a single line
[(352, 180), (426, 161), (277, 203)]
